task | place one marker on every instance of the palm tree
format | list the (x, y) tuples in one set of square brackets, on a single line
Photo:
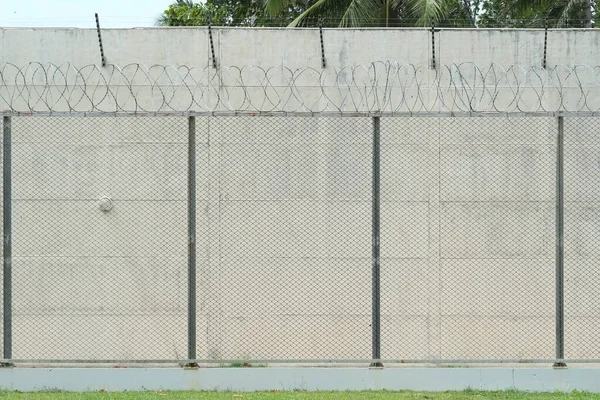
[(353, 13)]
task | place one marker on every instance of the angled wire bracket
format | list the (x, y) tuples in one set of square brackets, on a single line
[(545, 44), (433, 31), (322, 47), (103, 59), (212, 47)]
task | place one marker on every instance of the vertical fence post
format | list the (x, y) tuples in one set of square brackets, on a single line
[(559, 286), (375, 249), (7, 235), (191, 241)]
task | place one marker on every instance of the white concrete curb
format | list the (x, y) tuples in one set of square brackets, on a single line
[(295, 378)]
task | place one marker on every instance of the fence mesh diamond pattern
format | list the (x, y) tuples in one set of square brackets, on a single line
[(99, 238), (582, 228), (284, 238), (497, 238), (289, 254)]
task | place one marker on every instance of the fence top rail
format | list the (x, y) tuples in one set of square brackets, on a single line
[(381, 88)]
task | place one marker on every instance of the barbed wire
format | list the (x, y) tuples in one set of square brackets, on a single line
[(380, 87)]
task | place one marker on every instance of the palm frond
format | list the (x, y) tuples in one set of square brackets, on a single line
[(308, 12), (525, 6), (275, 7), (565, 10), (162, 20), (427, 11), (331, 10), (362, 13)]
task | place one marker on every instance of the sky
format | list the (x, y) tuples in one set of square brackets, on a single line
[(80, 13)]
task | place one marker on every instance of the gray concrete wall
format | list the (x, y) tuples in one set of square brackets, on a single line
[(489, 89), (297, 48), (284, 213)]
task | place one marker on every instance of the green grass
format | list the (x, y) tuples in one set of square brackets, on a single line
[(299, 395)]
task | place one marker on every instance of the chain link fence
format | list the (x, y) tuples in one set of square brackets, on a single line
[(300, 239), (99, 239), (582, 247)]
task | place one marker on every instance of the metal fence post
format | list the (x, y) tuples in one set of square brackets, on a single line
[(560, 311), (7, 235), (375, 249), (192, 241)]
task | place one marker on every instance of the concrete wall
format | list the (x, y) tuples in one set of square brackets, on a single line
[(298, 47), (283, 211), (455, 85)]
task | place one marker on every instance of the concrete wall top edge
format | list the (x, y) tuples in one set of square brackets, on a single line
[(154, 28)]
